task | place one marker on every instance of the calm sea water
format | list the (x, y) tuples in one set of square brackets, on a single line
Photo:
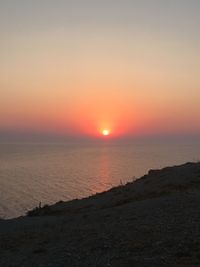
[(47, 173)]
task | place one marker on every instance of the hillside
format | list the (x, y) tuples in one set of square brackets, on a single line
[(154, 221)]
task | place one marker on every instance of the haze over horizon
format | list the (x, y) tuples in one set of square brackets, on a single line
[(76, 68)]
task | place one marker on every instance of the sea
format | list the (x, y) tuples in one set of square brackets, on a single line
[(47, 172)]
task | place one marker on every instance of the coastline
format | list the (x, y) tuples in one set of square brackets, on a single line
[(153, 221)]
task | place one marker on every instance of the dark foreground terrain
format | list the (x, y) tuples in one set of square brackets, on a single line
[(154, 221)]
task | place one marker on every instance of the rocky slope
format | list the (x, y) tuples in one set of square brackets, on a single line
[(154, 221)]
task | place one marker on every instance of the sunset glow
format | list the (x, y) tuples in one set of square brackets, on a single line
[(106, 132), (78, 76)]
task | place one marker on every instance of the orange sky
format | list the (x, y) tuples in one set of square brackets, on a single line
[(132, 68)]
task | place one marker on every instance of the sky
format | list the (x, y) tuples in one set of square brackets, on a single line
[(75, 68)]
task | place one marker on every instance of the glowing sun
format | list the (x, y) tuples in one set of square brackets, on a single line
[(105, 132)]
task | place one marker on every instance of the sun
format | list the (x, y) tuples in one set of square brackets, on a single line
[(105, 132)]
